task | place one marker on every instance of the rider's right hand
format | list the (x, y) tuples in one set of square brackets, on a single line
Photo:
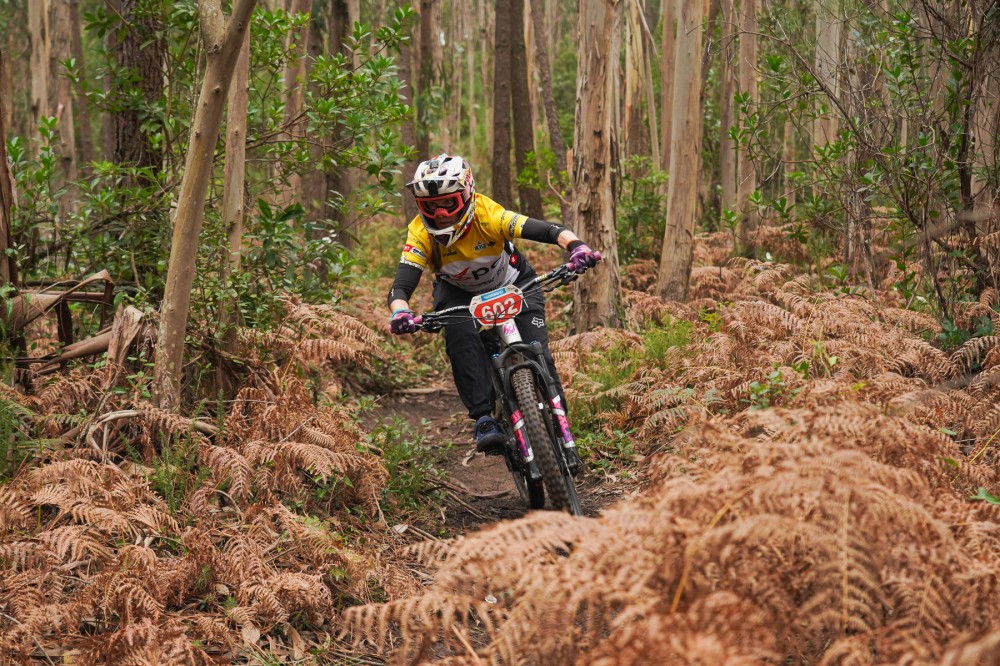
[(402, 321)]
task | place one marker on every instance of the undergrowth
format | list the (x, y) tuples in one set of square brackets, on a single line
[(820, 486), (412, 465), (139, 535)]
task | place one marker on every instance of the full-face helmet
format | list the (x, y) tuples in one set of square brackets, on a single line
[(444, 190)]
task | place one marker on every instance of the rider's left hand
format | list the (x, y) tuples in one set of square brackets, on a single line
[(582, 258)]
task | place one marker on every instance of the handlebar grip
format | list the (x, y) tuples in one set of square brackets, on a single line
[(418, 320)]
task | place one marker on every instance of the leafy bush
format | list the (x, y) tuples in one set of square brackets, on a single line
[(411, 464), (641, 210)]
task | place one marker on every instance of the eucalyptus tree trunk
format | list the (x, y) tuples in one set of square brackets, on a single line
[(294, 95), (548, 101), (524, 126), (61, 104), (487, 37), (428, 71), (142, 50), (314, 190), (8, 269), (233, 179), (635, 140), (747, 174), (408, 132), (501, 105), (82, 107), (668, 52), (60, 90), (338, 181), (649, 92), (110, 45), (597, 298), (727, 87), (985, 187), (470, 62), (38, 29), (827, 66), (676, 258), (222, 39)]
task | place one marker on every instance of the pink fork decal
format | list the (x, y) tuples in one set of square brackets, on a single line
[(518, 422), (560, 413)]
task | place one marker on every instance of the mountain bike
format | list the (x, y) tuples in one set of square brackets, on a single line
[(528, 407)]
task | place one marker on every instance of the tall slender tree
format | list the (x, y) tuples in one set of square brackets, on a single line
[(501, 105), (38, 28), (428, 75), (727, 88), (86, 133), (222, 38), (524, 126), (339, 182), (61, 102), (294, 94), (597, 300), (674, 277), (668, 51), (140, 55), (635, 139), (548, 101), (827, 67), (8, 271), (409, 130), (747, 175), (233, 179)]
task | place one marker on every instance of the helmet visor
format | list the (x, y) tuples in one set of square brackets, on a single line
[(445, 205)]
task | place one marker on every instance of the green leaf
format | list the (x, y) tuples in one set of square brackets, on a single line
[(984, 496)]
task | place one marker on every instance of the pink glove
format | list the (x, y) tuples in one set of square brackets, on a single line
[(582, 257), (402, 322)]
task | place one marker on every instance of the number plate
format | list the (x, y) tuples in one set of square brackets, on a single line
[(497, 306)]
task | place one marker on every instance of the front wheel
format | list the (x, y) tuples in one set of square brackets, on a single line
[(559, 483)]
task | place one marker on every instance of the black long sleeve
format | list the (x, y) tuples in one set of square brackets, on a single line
[(407, 279), (541, 231)]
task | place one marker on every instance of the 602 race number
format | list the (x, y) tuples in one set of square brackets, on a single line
[(497, 306)]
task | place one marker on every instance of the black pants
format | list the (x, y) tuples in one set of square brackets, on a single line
[(470, 365)]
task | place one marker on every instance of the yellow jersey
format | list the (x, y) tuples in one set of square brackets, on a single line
[(480, 260)]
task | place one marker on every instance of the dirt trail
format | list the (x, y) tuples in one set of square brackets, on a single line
[(479, 490)]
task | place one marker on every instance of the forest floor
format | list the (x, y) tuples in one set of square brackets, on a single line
[(477, 489), (818, 470)]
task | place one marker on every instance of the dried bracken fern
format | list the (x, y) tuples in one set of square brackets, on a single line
[(833, 529), (145, 536), (788, 547)]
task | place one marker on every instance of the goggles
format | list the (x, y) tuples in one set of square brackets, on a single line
[(442, 206)]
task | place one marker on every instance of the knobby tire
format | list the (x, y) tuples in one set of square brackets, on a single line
[(560, 496)]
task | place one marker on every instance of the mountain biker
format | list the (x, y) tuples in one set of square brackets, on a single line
[(467, 239)]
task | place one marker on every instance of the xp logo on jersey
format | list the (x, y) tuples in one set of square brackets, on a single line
[(474, 275)]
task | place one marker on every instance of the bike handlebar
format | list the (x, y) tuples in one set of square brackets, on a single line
[(563, 274)]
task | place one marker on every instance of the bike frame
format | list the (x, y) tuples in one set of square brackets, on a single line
[(509, 353), (514, 355)]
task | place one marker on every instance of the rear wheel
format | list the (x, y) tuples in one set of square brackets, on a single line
[(558, 481)]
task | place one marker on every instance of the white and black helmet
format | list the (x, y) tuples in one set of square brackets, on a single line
[(444, 187)]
